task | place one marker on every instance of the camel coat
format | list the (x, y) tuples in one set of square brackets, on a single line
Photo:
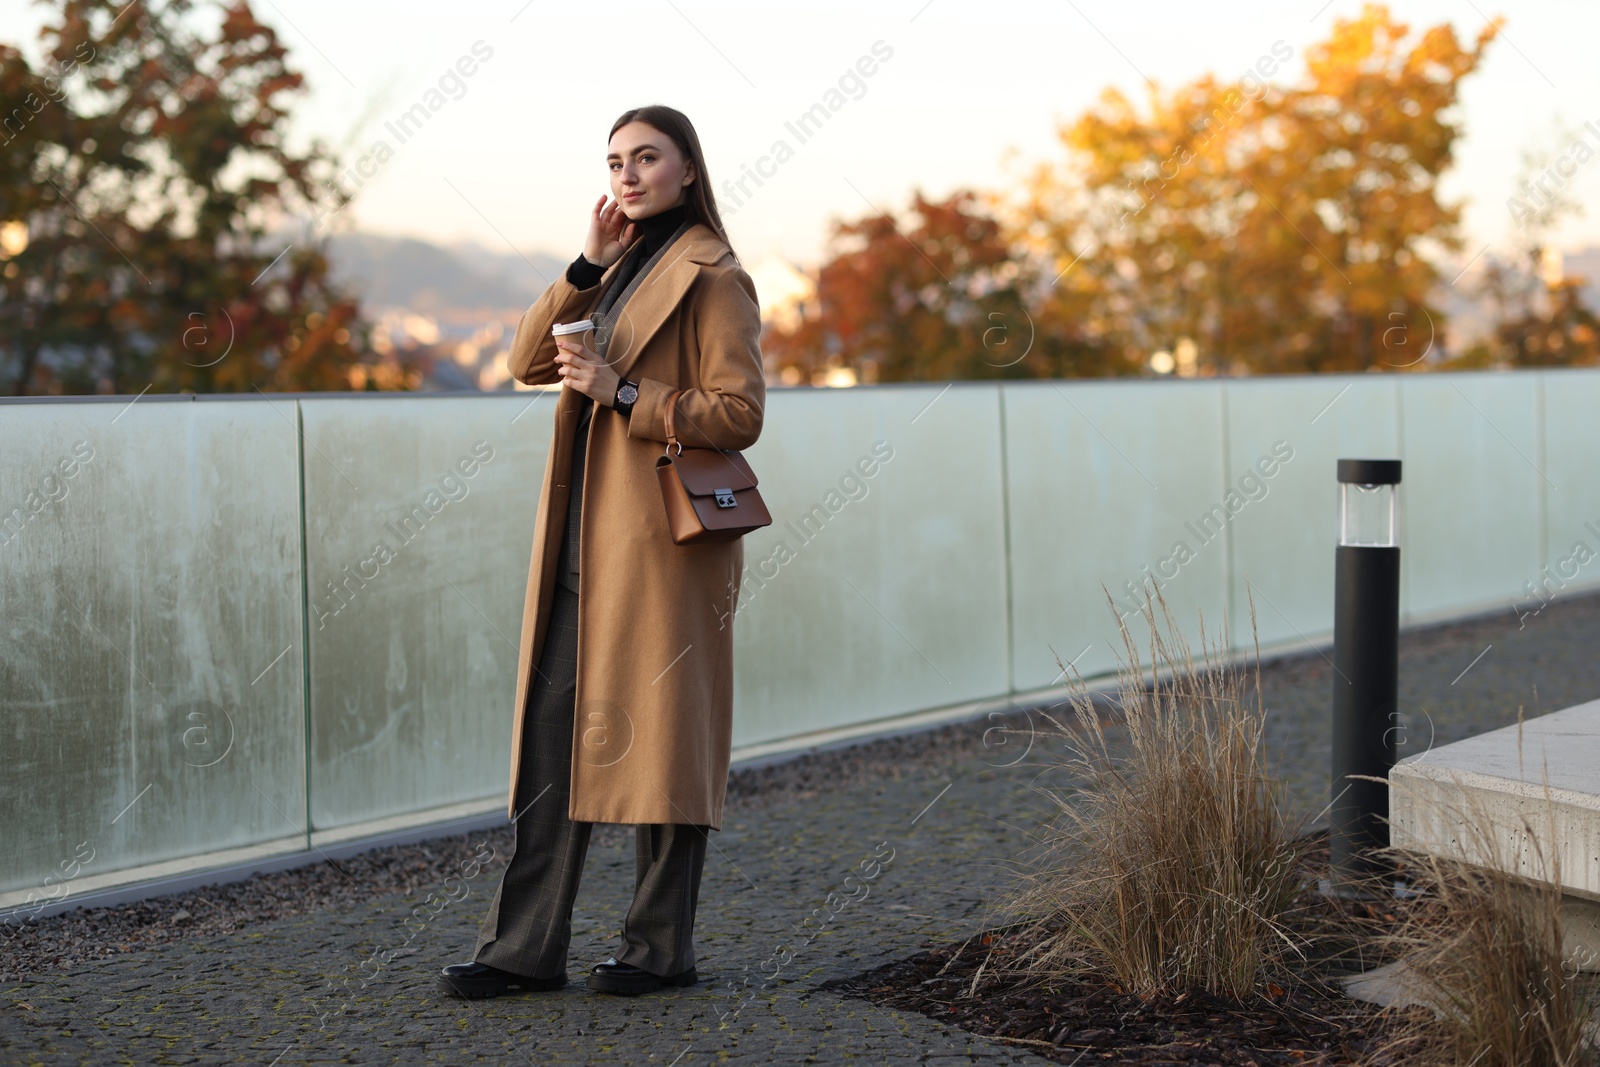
[(654, 714)]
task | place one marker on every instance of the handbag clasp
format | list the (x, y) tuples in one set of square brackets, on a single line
[(725, 498)]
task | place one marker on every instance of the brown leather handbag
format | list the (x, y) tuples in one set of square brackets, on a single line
[(710, 494)]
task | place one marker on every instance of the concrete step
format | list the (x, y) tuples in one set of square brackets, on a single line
[(1523, 799)]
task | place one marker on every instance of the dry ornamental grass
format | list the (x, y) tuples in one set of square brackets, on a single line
[(1170, 895), (1173, 863), (1484, 956)]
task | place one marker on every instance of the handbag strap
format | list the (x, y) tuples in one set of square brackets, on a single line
[(672, 423)]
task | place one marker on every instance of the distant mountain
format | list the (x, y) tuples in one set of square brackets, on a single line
[(434, 280)]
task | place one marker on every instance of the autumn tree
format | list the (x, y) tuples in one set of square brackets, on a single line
[(1562, 332), (1275, 229), (1243, 225), (1540, 316), (935, 293), (146, 196)]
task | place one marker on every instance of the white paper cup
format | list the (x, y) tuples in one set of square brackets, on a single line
[(581, 331)]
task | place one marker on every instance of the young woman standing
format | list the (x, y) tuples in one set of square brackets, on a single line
[(624, 705)]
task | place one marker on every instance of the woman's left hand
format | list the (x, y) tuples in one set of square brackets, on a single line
[(582, 368)]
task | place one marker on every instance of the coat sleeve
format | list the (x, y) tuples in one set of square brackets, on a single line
[(726, 411), (533, 350)]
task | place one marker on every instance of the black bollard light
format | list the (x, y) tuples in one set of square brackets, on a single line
[(1366, 637)]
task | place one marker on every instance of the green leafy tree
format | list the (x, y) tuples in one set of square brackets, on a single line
[(147, 202)]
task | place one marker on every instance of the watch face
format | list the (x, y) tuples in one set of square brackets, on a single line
[(628, 394)]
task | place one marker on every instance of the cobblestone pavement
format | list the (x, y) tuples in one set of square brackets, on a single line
[(909, 860), (292, 991)]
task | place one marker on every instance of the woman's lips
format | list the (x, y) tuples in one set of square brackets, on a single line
[(631, 196)]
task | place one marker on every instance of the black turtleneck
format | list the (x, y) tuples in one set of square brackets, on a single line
[(653, 233)]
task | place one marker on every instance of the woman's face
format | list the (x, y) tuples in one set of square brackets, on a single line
[(648, 173)]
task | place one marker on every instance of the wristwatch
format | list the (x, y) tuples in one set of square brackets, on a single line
[(627, 394)]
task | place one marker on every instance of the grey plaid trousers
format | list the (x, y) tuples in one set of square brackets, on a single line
[(529, 923)]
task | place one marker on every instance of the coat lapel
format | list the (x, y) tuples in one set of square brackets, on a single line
[(659, 294)]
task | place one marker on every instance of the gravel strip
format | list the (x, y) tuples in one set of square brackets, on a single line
[(59, 942)]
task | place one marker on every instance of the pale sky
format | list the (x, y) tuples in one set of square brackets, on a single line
[(519, 157)]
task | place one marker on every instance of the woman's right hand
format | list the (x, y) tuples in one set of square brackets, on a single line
[(610, 233)]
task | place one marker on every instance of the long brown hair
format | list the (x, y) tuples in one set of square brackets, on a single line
[(702, 202)]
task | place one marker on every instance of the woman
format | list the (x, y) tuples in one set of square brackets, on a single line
[(627, 717)]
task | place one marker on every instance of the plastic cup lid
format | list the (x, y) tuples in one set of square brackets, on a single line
[(562, 328)]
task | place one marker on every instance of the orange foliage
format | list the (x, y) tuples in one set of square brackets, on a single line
[(1251, 228), (1278, 231), (935, 293), (154, 188)]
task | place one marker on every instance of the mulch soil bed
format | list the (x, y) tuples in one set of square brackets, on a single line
[(1087, 1018)]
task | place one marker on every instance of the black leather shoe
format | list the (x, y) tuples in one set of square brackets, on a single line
[(628, 981), (481, 980)]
